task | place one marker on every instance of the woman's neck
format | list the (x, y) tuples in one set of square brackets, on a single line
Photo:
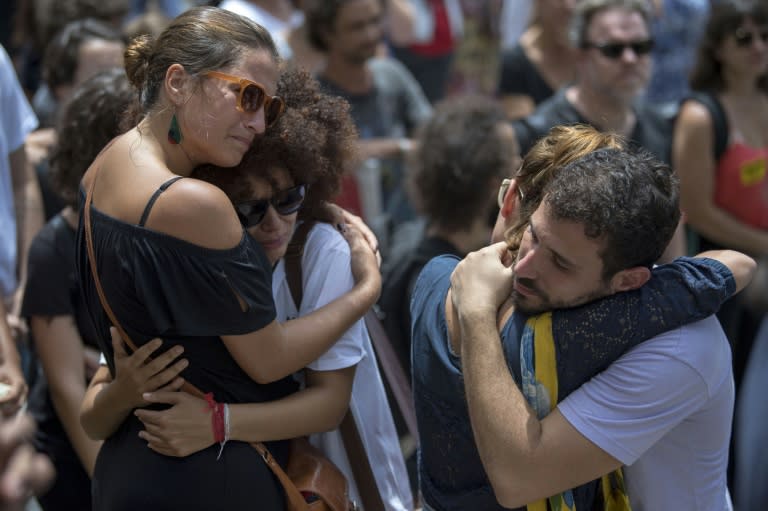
[(154, 131), (741, 84)]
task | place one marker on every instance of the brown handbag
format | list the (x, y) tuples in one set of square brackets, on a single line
[(311, 482)]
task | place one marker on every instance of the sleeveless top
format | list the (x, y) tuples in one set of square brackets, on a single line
[(741, 184)]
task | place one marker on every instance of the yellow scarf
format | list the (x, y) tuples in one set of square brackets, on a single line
[(538, 367)]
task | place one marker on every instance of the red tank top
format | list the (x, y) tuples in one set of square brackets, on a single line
[(741, 186)]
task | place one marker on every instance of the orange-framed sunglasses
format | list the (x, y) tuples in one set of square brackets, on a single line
[(253, 96)]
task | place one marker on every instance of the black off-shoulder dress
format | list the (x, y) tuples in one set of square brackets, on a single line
[(162, 286)]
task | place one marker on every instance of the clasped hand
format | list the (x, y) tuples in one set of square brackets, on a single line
[(185, 427)]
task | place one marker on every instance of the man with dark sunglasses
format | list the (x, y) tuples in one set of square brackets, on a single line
[(614, 43)]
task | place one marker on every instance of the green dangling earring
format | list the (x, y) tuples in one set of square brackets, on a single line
[(174, 132)]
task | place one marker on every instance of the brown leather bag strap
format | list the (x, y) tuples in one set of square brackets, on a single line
[(292, 261), (360, 464), (398, 381), (292, 493), (92, 263), (187, 387), (295, 499)]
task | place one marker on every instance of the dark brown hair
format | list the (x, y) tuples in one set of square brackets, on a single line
[(201, 39)]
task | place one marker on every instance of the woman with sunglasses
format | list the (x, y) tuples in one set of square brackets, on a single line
[(280, 186), (720, 151), (175, 262)]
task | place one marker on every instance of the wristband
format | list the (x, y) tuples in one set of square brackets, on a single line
[(219, 421), (225, 415)]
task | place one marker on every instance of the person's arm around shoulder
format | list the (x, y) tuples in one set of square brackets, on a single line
[(741, 265), (522, 455), (276, 350), (282, 349), (693, 160)]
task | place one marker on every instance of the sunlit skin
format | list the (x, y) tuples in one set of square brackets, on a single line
[(557, 266), (275, 230), (212, 125), (622, 78)]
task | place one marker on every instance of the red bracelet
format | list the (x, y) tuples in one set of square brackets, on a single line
[(217, 418)]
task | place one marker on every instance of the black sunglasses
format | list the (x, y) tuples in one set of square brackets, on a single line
[(744, 38), (616, 50), (288, 201)]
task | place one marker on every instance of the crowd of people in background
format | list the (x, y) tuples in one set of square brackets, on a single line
[(420, 157)]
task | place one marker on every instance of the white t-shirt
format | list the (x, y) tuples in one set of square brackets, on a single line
[(326, 276), (17, 120), (664, 409)]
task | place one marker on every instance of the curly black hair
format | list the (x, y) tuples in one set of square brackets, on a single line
[(91, 118), (314, 140)]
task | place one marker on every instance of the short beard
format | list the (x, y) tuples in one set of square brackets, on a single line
[(547, 305)]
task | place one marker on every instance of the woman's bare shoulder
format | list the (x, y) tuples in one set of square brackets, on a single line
[(197, 212), (188, 209), (694, 114)]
